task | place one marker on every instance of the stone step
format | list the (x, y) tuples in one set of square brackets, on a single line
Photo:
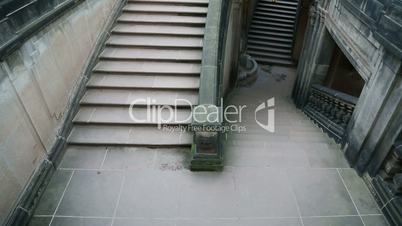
[(271, 33), (272, 15), (125, 97), (269, 49), (271, 28), (154, 19), (278, 11), (176, 55), (271, 39), (267, 44), (121, 115), (271, 19), (275, 6), (290, 4), (272, 24), (153, 56), (259, 53), (147, 67), (175, 2), (116, 81), (151, 29), (155, 41), (165, 9), (148, 136)]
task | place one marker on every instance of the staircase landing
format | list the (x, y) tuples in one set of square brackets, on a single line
[(295, 176)]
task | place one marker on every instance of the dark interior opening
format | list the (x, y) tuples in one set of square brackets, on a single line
[(342, 76)]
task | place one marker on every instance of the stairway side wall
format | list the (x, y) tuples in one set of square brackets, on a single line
[(37, 83)]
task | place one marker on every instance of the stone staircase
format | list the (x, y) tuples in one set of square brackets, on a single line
[(154, 52), (270, 38)]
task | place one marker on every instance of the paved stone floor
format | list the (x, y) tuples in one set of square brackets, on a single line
[(295, 176)]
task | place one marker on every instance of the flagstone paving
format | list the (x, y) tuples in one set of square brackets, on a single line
[(295, 176)]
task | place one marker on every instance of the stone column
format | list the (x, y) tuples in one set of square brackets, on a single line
[(312, 46), (380, 102)]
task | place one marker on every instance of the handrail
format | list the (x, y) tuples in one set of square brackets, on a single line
[(12, 37), (206, 151), (208, 91)]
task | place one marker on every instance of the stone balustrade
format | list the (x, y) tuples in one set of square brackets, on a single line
[(330, 109)]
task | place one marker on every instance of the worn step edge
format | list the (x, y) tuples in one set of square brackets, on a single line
[(274, 24), (273, 44), (276, 10), (184, 23), (138, 32), (259, 37), (121, 116), (172, 2), (268, 33), (183, 138), (270, 19), (268, 49), (270, 55), (154, 59), (274, 15)]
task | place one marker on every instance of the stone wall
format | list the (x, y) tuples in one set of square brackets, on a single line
[(353, 32), (37, 83), (380, 70), (355, 39)]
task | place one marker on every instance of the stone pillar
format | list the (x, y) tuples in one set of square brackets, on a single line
[(378, 103), (369, 133), (393, 128), (312, 46), (206, 151)]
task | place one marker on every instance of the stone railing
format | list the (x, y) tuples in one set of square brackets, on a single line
[(388, 185), (206, 150), (331, 110), (21, 19)]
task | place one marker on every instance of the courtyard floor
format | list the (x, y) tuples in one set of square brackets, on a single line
[(294, 176)]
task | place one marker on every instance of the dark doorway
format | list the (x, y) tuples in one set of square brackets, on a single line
[(342, 76)]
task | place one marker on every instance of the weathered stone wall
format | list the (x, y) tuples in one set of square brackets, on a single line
[(353, 32), (355, 39), (378, 67), (36, 84)]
